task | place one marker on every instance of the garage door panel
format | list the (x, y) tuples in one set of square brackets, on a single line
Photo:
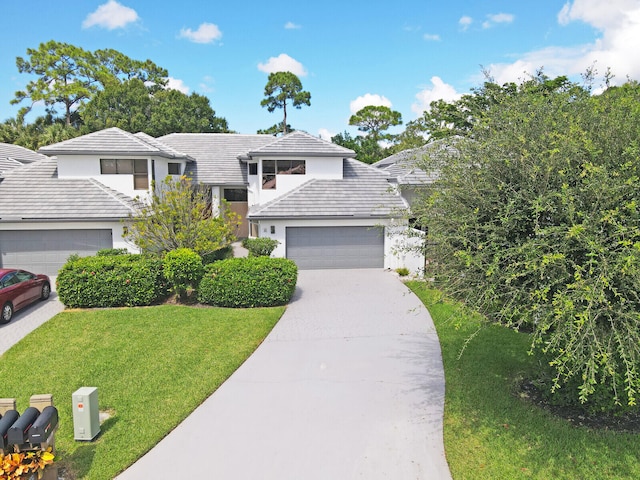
[(45, 251), (336, 247)]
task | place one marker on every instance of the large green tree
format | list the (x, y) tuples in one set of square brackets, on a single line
[(69, 76), (535, 221), (367, 149), (374, 120), (66, 75), (180, 216), (133, 107), (283, 88)]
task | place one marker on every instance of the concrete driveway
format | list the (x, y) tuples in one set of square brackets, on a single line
[(348, 385), (28, 319)]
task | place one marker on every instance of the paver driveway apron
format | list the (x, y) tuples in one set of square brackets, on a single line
[(348, 385)]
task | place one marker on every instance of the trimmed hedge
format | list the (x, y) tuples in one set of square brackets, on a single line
[(248, 282), (111, 281), (224, 252), (260, 247), (183, 270)]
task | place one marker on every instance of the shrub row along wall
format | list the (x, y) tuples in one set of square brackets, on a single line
[(136, 280)]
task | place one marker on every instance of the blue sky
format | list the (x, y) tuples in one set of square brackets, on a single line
[(348, 54)]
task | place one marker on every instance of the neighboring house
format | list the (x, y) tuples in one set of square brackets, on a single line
[(12, 156), (326, 209), (406, 167)]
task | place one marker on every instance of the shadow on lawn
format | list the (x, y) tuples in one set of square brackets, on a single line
[(78, 464)]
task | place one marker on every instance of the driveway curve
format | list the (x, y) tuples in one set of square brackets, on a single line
[(349, 384)]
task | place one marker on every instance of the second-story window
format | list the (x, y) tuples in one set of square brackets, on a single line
[(125, 166), (271, 168), (174, 168)]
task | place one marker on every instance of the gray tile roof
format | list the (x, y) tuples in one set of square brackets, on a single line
[(405, 166), (112, 141), (364, 192), (8, 164), (18, 153), (299, 143), (216, 155), (34, 192)]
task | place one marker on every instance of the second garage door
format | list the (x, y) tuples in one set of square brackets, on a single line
[(45, 251), (336, 247)]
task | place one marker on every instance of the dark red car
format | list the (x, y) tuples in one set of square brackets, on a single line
[(18, 289)]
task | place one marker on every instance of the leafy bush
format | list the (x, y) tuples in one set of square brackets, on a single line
[(260, 247), (402, 271), (179, 216), (248, 282), (183, 270), (221, 254), (111, 281), (105, 252), (536, 223)]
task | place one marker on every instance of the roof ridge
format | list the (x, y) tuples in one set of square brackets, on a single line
[(369, 167), (119, 197), (30, 166), (277, 200)]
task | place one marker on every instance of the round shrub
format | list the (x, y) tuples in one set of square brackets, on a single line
[(260, 247), (111, 281), (248, 282), (183, 270)]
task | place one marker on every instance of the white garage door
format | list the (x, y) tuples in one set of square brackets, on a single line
[(45, 251), (336, 247)]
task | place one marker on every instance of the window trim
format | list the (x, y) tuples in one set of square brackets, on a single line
[(138, 168), (174, 165), (287, 167)]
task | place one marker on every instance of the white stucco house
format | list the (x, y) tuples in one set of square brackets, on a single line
[(326, 209)]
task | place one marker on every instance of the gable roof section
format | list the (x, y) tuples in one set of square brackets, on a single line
[(404, 166), (364, 192), (34, 192), (299, 143), (113, 141), (216, 155), (19, 154)]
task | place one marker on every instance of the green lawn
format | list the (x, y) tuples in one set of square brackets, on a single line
[(152, 366), (491, 433)]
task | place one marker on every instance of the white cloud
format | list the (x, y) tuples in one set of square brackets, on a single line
[(497, 18), (292, 26), (177, 84), (616, 48), (602, 15), (206, 33), (111, 15), (438, 91), (465, 22), (283, 63), (431, 37), (325, 134), (368, 99)]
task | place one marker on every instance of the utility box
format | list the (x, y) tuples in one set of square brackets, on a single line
[(86, 416)]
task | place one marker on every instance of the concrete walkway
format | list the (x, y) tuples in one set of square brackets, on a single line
[(348, 385), (28, 319)]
